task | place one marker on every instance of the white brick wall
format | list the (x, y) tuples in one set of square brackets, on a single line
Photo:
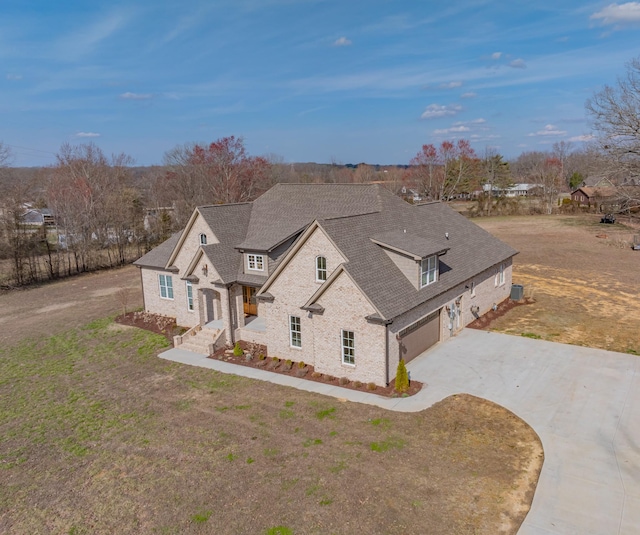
[(345, 308), (292, 289)]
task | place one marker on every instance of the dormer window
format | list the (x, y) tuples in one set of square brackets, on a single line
[(428, 270), (321, 269), (203, 239), (255, 262)]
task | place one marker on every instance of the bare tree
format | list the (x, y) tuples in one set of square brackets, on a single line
[(615, 111), (221, 172)]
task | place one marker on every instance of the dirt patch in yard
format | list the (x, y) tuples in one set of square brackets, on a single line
[(47, 308), (584, 288)]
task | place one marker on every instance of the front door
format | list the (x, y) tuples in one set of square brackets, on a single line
[(249, 301)]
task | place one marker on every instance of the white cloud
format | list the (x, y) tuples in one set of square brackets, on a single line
[(549, 130), (87, 134), (435, 110), (342, 41), (14, 76), (479, 120), (469, 95), (587, 137), (136, 96), (619, 14), (452, 130), (496, 55), (518, 64), (450, 85)]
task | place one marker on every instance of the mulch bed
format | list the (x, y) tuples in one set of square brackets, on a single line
[(307, 372), (150, 322), (484, 321)]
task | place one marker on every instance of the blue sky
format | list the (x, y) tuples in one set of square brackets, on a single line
[(308, 80)]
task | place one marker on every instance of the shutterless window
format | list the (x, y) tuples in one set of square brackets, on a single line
[(295, 333), (166, 286), (255, 262), (189, 296), (348, 347), (321, 268), (203, 239), (428, 271), (501, 274), (473, 289)]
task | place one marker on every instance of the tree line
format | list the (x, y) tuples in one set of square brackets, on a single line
[(106, 212)]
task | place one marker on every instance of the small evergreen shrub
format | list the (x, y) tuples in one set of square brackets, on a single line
[(301, 364), (402, 377), (261, 356), (357, 384), (371, 386), (343, 380), (237, 350)]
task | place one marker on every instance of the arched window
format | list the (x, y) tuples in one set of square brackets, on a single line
[(321, 269), (203, 239)]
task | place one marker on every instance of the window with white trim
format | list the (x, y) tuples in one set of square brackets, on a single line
[(295, 333), (473, 289), (203, 239), (321, 269), (428, 270), (166, 286), (348, 347), (189, 295), (499, 280), (255, 262)]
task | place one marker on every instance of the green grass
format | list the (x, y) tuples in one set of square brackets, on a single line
[(532, 335), (279, 530), (326, 413), (202, 517), (386, 445)]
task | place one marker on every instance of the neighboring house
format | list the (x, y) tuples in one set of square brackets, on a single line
[(517, 190), (597, 182), (410, 194), (36, 217), (595, 196), (348, 278)]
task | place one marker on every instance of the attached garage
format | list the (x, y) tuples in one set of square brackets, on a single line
[(419, 336)]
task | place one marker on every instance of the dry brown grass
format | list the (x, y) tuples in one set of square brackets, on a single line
[(585, 287)]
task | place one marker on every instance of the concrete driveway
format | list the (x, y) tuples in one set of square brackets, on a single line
[(583, 403)]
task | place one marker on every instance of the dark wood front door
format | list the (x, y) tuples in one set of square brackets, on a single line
[(249, 300)]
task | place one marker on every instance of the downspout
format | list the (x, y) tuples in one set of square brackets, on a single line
[(231, 327), (144, 305), (386, 352)]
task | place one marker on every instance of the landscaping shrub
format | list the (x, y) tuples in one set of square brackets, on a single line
[(237, 350), (402, 377), (371, 386)]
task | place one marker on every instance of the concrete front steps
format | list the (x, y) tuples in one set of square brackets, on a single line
[(201, 340)]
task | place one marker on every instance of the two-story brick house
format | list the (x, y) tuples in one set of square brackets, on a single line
[(348, 278)]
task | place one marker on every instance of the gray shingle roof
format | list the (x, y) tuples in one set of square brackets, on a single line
[(351, 215), (229, 223), (158, 257), (409, 243), (287, 209), (472, 250)]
